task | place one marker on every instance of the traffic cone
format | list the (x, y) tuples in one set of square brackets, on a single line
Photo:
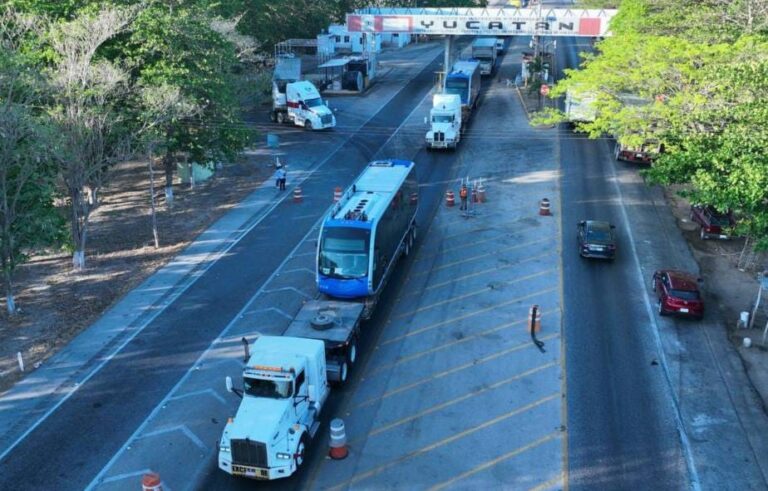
[(297, 196)]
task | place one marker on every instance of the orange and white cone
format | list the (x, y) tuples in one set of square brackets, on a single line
[(151, 482), (338, 443)]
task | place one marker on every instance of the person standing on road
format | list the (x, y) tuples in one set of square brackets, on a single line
[(463, 196), (283, 177)]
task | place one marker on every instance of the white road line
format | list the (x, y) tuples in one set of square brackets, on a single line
[(215, 258), (219, 339), (685, 443), (96, 480)]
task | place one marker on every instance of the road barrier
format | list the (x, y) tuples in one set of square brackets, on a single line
[(480, 192), (544, 207), (151, 482), (297, 196), (338, 440), (450, 199)]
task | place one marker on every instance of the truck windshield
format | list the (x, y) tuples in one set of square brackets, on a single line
[(274, 389), (316, 102), (442, 118), (344, 252)]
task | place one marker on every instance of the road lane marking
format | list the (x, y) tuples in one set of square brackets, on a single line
[(441, 251), (555, 482), (684, 442), (497, 460), (486, 271), (464, 397), (440, 443), (480, 291), (478, 256), (464, 316), (445, 373), (434, 349), (219, 340)]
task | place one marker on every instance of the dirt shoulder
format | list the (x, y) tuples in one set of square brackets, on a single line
[(57, 303)]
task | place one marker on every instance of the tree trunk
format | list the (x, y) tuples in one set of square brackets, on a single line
[(168, 164), (79, 221), (152, 201), (9, 302)]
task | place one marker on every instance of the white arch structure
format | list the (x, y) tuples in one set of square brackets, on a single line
[(483, 21)]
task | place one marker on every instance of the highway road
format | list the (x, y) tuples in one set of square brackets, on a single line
[(621, 425), (102, 414)]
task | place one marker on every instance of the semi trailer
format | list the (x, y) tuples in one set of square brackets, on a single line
[(287, 379)]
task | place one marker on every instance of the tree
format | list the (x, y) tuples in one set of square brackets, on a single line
[(179, 47), (28, 217), (702, 68), (87, 92)]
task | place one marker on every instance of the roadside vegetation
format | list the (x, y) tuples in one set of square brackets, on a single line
[(702, 67)]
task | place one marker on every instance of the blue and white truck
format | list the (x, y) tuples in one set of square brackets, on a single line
[(464, 80), (287, 379)]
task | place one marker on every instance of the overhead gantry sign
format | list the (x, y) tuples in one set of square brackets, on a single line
[(483, 21)]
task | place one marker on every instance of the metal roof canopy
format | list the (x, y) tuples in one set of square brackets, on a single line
[(335, 63), (483, 21)]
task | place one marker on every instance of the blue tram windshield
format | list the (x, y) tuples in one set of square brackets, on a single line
[(344, 252)]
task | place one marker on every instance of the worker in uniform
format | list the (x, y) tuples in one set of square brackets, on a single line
[(463, 196)]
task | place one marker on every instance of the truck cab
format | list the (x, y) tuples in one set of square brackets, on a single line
[(445, 122), (284, 390), (306, 108)]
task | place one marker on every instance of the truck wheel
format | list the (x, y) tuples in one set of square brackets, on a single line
[(280, 118), (703, 234), (307, 124), (343, 372), (661, 308), (352, 352), (298, 457), (616, 151), (273, 116)]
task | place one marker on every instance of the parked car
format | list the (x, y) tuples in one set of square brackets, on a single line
[(714, 224), (596, 239), (678, 293)]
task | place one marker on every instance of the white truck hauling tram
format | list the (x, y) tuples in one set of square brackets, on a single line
[(297, 101), (287, 379), (445, 122)]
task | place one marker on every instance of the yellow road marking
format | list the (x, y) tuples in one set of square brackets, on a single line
[(421, 451), (486, 271), (462, 317), (445, 373), (477, 256), (464, 397), (480, 291), (458, 247), (555, 481), (495, 461), (449, 344)]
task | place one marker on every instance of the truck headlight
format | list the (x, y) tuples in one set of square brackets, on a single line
[(224, 448), (284, 456)]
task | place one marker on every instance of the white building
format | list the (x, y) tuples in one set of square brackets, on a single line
[(355, 42), (395, 39)]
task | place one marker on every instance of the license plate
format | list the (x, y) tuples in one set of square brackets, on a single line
[(683, 310)]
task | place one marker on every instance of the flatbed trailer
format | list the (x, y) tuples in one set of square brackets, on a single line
[(337, 324)]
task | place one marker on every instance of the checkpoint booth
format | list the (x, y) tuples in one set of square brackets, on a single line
[(348, 74)]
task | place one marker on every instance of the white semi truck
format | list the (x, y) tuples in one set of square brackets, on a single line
[(484, 50), (445, 122), (297, 101), (287, 379), (284, 390)]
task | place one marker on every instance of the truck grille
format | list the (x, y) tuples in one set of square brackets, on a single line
[(248, 452), (439, 136), (326, 119)]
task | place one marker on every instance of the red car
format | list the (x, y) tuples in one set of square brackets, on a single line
[(678, 293)]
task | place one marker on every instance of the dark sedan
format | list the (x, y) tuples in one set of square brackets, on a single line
[(596, 239)]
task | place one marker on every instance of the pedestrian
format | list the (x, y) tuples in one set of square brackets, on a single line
[(280, 178), (283, 176), (463, 196)]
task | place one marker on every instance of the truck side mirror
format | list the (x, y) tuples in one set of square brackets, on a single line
[(231, 387), (425, 120)]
